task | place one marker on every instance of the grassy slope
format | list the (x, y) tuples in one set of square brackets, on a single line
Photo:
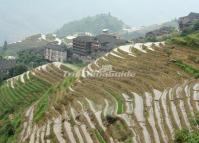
[(14, 102), (190, 40), (187, 68)]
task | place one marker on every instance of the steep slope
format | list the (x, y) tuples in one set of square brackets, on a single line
[(24, 90), (157, 98)]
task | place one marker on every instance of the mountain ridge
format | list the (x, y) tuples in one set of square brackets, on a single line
[(94, 25)]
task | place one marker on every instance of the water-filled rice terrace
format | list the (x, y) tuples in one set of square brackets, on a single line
[(147, 108)]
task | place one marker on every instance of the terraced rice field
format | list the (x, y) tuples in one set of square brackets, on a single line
[(146, 108), (20, 92)]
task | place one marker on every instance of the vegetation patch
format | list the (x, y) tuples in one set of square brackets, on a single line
[(66, 68), (42, 105), (12, 104), (189, 37), (189, 40), (99, 137), (32, 58), (188, 68), (119, 99), (9, 127), (118, 130), (187, 136), (68, 82)]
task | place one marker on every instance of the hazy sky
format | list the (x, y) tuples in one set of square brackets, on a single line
[(132, 12), (48, 15)]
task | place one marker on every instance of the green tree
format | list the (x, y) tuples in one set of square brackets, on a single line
[(5, 46), (151, 38), (196, 26), (31, 58), (17, 70)]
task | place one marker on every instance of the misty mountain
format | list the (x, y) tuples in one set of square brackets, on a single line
[(94, 25), (97, 23)]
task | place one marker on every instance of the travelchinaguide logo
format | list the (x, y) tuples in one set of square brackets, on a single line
[(107, 71)]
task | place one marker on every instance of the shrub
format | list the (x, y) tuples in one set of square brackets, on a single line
[(111, 119), (17, 70), (187, 68), (9, 128), (186, 136), (196, 26), (181, 136), (191, 40)]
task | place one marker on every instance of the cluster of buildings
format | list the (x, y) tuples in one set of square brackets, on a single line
[(6, 65), (163, 31), (83, 47)]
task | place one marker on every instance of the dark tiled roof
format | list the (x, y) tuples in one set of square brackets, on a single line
[(105, 38), (85, 38), (161, 31), (56, 47), (107, 41)]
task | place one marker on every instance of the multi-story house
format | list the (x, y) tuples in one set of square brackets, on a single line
[(87, 45), (83, 45), (55, 53), (107, 42)]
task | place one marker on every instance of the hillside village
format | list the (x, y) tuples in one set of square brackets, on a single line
[(85, 88), (84, 47)]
